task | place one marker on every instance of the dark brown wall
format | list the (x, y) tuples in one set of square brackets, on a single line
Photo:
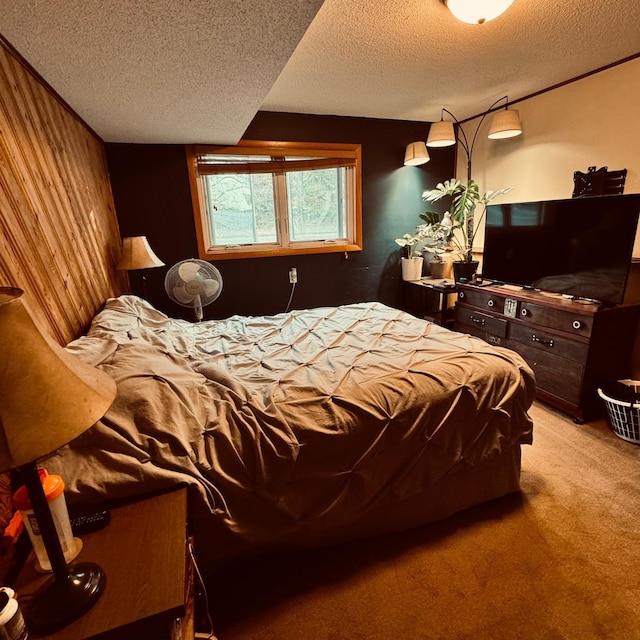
[(151, 193)]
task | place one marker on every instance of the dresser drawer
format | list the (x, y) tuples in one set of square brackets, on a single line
[(549, 342), (479, 332), (483, 322), (580, 325), (482, 300), (554, 375)]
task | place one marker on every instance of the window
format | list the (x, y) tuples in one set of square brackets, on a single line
[(276, 198)]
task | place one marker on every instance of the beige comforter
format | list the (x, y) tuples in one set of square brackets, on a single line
[(303, 420)]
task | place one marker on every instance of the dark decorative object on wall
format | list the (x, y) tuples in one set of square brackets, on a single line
[(598, 182)]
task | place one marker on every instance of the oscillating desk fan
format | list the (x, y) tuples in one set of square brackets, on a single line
[(193, 283)]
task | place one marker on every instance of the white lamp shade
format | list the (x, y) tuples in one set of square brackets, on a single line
[(441, 134), (477, 11), (416, 154), (48, 397), (505, 124), (137, 254)]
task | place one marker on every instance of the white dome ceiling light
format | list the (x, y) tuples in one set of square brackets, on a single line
[(477, 11)]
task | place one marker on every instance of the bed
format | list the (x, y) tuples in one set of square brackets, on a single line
[(302, 428)]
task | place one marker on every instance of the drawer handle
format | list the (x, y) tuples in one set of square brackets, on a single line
[(577, 324), (461, 295), (548, 343), (524, 313), (490, 303), (479, 321)]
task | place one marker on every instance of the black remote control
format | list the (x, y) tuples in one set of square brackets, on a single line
[(84, 523)]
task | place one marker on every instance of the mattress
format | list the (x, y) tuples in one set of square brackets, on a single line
[(295, 425)]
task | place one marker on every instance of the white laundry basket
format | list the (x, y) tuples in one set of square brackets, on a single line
[(624, 416)]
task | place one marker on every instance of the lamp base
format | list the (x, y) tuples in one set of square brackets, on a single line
[(58, 602)]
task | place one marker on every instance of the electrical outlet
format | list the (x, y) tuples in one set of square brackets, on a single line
[(293, 275)]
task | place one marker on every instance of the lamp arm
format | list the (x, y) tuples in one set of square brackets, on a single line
[(43, 516), (475, 135), (464, 143)]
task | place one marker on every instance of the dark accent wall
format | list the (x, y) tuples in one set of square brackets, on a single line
[(151, 194)]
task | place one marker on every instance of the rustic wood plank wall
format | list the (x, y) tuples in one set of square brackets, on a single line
[(59, 236)]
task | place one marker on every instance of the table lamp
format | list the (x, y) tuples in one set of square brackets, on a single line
[(48, 397), (137, 254)]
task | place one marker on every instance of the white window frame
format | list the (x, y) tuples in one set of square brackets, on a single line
[(327, 154)]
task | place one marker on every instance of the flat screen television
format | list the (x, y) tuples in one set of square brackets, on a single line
[(580, 247)]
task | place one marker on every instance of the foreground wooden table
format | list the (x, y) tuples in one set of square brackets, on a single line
[(149, 590)]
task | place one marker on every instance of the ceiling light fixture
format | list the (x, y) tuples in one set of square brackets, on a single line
[(504, 124), (477, 11)]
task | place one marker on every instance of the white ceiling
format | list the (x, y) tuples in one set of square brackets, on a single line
[(178, 71)]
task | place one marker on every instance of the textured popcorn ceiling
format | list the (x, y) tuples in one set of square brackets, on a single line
[(198, 70), (159, 70)]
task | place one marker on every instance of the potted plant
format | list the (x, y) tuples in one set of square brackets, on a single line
[(465, 199), (437, 236), (412, 260)]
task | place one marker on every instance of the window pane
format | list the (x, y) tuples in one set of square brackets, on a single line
[(241, 208), (316, 204), (262, 198)]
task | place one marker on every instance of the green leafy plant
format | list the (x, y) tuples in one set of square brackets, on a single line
[(459, 220), (436, 234), (412, 243), (433, 236)]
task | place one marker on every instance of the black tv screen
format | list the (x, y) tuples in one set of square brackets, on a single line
[(580, 247)]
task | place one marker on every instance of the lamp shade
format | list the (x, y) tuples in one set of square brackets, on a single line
[(416, 154), (48, 397), (505, 124), (477, 11), (441, 134), (137, 254)]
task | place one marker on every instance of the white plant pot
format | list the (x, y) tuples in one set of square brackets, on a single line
[(411, 268)]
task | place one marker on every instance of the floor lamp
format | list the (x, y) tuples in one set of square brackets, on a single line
[(505, 123), (47, 398)]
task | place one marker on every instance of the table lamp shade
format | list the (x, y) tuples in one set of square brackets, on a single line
[(138, 254), (48, 397)]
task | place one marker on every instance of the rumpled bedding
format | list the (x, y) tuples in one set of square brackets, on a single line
[(305, 420)]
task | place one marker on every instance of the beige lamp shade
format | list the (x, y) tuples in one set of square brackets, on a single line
[(477, 11), (416, 154), (505, 124), (441, 134), (48, 397), (137, 254)]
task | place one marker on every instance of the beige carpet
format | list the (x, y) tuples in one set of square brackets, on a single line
[(560, 560)]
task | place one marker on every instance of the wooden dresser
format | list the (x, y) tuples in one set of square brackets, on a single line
[(572, 346)]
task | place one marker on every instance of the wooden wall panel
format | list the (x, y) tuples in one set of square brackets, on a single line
[(59, 236)]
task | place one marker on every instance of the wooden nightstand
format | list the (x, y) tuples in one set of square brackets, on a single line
[(429, 298), (144, 554)]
